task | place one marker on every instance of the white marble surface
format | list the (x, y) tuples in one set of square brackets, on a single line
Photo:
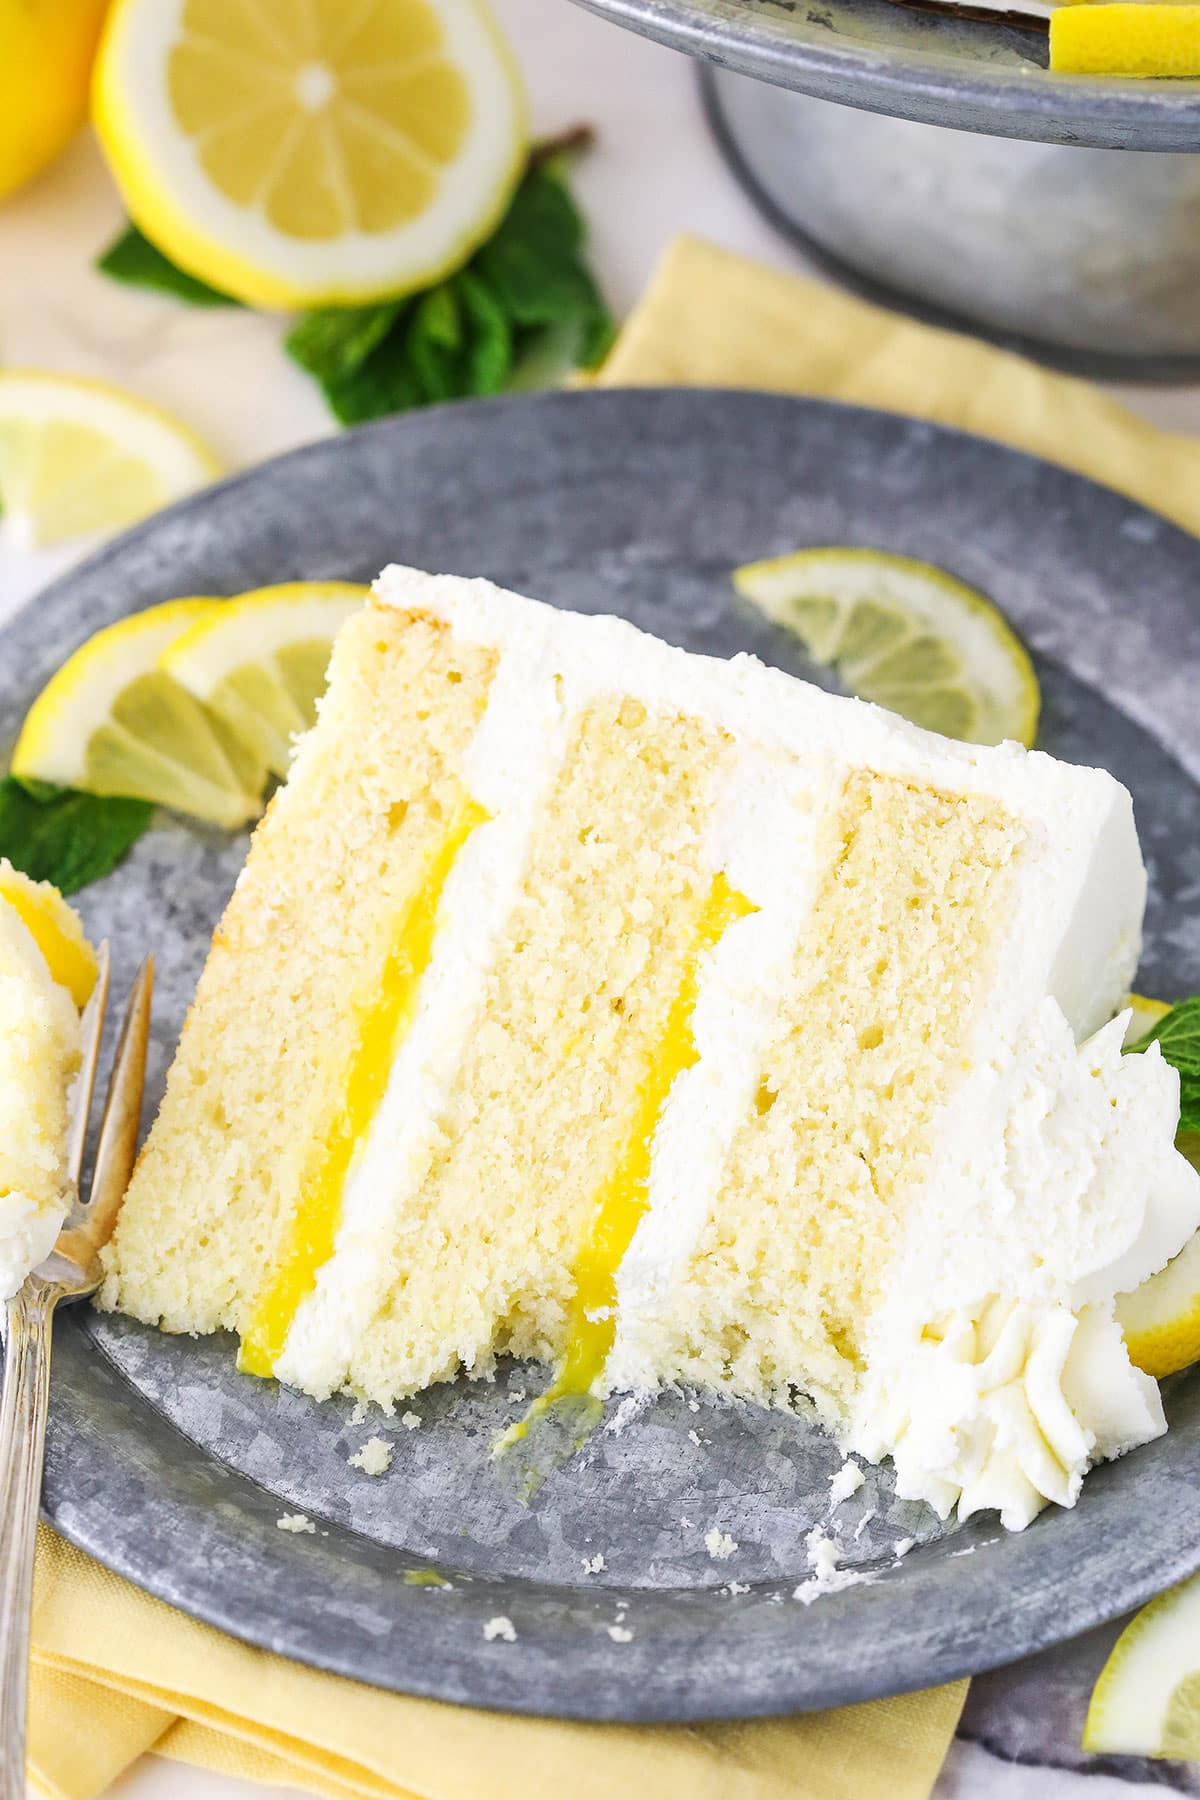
[(655, 173)]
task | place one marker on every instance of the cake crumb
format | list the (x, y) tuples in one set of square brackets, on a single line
[(410, 1420), (592, 1565), (687, 1524), (375, 1457), (693, 1406), (817, 1586), (361, 1408), (695, 1438), (628, 1409), (824, 1551), (902, 1546), (826, 1578), (863, 1523), (295, 1522), (847, 1481), (619, 1634), (500, 1627), (515, 1396), (719, 1544), (736, 1587)]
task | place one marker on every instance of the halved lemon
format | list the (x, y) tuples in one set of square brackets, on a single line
[(1147, 1700), (1126, 39), (905, 635), (295, 155), (259, 661), (111, 722), (80, 456), (55, 930)]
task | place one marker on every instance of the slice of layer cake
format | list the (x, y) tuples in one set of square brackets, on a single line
[(670, 1020), (47, 972)]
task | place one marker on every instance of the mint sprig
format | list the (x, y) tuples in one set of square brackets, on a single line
[(523, 312), (61, 835), (1178, 1036)]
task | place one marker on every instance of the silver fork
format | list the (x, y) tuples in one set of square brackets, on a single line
[(71, 1272)]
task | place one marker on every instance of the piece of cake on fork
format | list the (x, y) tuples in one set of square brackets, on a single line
[(47, 972)]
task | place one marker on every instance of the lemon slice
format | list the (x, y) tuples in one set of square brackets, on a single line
[(111, 722), (1147, 1700), (1125, 39), (79, 456), (55, 930), (905, 635), (296, 155), (259, 662)]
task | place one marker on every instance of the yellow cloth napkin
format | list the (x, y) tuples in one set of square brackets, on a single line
[(713, 319), (116, 1673)]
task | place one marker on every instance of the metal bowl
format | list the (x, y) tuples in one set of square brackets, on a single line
[(984, 74)]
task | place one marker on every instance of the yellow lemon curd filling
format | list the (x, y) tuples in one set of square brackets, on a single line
[(384, 1024), (624, 1196)]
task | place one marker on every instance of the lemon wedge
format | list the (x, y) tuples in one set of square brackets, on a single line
[(1147, 1700), (259, 662), (54, 928), (79, 456), (1126, 39), (1144, 1015), (1161, 1319), (905, 635), (112, 722), (303, 155)]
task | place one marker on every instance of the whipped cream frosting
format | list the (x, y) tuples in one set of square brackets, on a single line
[(996, 1371)]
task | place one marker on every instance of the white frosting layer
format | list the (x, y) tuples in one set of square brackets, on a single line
[(510, 766), (996, 1371), (39, 1049), (762, 838)]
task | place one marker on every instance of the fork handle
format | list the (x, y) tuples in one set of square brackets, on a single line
[(23, 1410)]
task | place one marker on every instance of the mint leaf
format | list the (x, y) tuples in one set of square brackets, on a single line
[(69, 838), (333, 342), (434, 343), (133, 259), (523, 311), (488, 335), (532, 262), (1178, 1035)]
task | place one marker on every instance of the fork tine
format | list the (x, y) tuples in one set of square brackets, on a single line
[(117, 1149), (85, 1081)]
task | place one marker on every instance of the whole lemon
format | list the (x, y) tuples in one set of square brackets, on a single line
[(46, 51)]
